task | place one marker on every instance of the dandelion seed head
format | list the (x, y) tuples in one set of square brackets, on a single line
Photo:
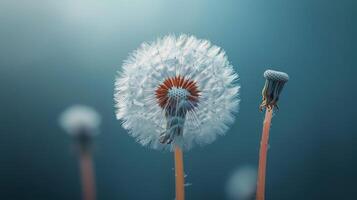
[(80, 119), (176, 91)]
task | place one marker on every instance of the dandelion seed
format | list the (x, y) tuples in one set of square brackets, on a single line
[(188, 184)]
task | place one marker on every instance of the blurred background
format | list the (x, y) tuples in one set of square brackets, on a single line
[(54, 54)]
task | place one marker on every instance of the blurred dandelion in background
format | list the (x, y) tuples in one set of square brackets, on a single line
[(241, 184), (80, 119), (177, 92), (82, 123)]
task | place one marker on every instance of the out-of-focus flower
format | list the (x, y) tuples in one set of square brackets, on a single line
[(241, 184), (176, 91), (82, 122), (80, 119)]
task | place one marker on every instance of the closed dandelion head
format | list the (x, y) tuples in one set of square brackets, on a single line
[(80, 120), (176, 91), (274, 84)]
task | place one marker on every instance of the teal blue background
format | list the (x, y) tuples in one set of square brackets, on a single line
[(57, 53)]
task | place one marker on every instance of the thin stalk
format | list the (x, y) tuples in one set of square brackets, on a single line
[(180, 180), (263, 155), (87, 175)]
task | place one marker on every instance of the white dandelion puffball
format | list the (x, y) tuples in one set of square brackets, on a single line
[(176, 91), (80, 119), (241, 184)]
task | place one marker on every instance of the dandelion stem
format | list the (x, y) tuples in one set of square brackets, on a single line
[(180, 180), (263, 155), (86, 168)]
